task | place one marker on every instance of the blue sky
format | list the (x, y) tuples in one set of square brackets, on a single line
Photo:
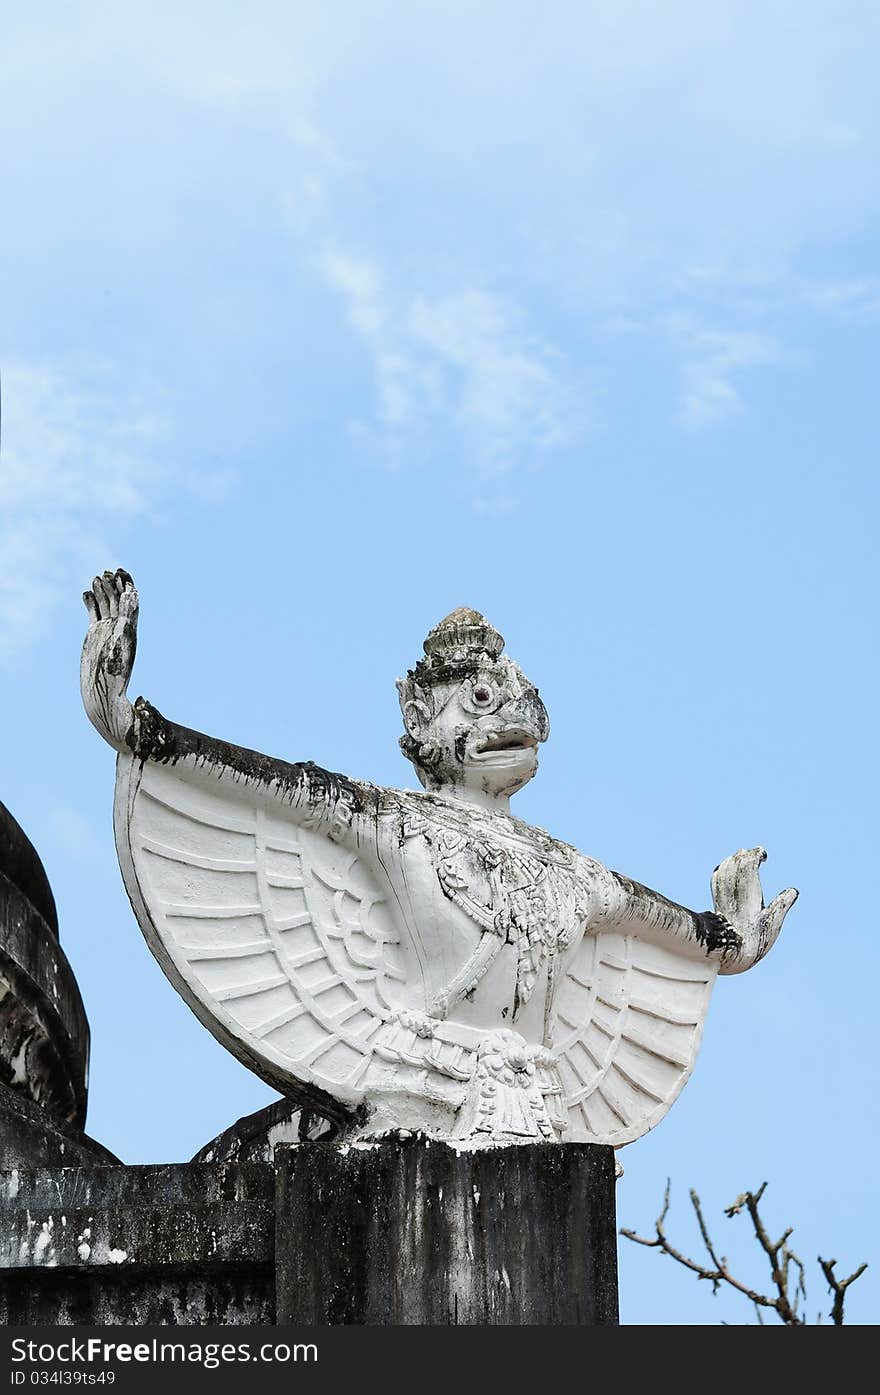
[(323, 320)]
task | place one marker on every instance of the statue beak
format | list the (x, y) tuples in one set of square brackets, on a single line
[(526, 713)]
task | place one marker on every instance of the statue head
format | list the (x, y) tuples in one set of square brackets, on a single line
[(473, 720)]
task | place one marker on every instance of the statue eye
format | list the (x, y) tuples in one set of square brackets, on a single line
[(482, 695)]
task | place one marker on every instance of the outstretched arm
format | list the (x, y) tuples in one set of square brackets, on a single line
[(313, 795), (737, 896), (108, 655), (736, 934)]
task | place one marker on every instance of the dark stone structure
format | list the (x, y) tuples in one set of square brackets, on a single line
[(30, 1138), (44, 1035), (277, 1220), (412, 1231), (176, 1244), (405, 1232)]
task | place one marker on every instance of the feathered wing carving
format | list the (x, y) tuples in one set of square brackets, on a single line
[(627, 1022), (285, 945), (277, 937)]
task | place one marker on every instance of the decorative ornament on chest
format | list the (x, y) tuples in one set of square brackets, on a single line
[(404, 959)]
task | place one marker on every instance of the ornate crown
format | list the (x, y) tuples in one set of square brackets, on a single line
[(460, 642)]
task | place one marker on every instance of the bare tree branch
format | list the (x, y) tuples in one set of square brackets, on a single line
[(838, 1286), (787, 1273)]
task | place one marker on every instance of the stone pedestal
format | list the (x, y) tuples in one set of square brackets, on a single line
[(409, 1231)]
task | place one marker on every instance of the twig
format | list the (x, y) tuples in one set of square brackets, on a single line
[(778, 1255), (720, 1274), (838, 1286), (787, 1271)]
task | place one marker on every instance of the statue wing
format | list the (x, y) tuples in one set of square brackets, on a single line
[(277, 935), (628, 1019)]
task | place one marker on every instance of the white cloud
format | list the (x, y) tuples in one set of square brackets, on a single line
[(76, 457), (462, 361), (855, 299), (713, 364), (624, 157)]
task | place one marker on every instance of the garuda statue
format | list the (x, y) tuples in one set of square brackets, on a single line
[(413, 959)]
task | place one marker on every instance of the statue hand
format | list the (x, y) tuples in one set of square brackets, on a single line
[(108, 654), (737, 896)]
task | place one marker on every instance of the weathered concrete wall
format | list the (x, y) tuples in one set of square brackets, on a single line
[(229, 1298), (172, 1244), (415, 1232), (401, 1232)]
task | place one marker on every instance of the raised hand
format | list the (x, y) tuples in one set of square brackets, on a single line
[(108, 654), (737, 896)]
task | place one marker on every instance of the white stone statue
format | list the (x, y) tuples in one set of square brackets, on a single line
[(413, 959)]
